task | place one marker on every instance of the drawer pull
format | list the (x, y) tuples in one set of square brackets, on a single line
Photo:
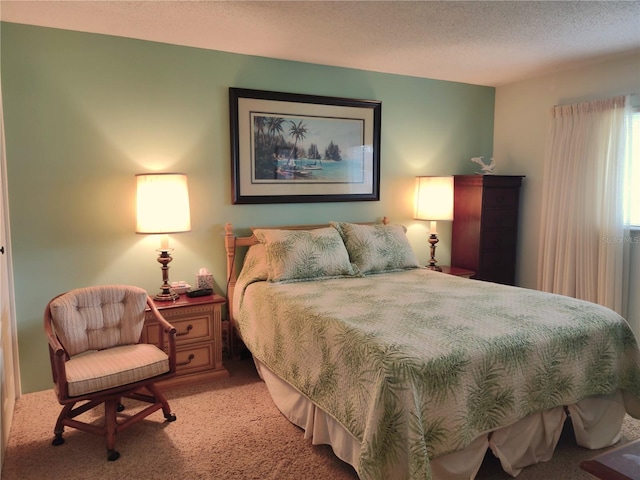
[(181, 334), (191, 357)]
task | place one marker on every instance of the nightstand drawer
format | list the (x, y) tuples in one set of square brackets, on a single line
[(198, 324), (194, 329), (194, 359)]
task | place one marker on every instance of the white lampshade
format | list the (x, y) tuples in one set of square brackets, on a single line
[(162, 203), (433, 198)]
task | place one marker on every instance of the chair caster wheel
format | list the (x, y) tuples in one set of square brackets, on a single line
[(170, 417), (112, 455), (120, 407), (58, 440)]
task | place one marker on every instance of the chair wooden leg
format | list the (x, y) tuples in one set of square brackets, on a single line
[(111, 427), (110, 424), (166, 410), (59, 428)]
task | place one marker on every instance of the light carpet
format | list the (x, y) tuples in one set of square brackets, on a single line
[(228, 429)]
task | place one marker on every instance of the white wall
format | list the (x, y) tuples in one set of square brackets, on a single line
[(522, 115)]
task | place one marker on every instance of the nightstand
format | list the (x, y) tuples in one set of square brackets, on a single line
[(458, 272), (198, 322)]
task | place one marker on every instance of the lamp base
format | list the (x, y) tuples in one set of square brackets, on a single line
[(166, 297), (433, 239)]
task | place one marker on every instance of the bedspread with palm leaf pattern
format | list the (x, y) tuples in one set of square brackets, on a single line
[(416, 364)]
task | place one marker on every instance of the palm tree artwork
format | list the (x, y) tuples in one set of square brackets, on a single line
[(279, 152)]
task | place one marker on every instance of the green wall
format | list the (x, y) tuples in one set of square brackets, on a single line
[(85, 112)]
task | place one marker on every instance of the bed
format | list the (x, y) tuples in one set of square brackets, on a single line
[(412, 374)]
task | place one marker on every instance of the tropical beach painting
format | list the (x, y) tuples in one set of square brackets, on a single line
[(308, 149), (303, 148)]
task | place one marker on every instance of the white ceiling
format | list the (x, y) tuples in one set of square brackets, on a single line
[(478, 42)]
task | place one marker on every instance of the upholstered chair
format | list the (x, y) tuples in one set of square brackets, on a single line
[(97, 358)]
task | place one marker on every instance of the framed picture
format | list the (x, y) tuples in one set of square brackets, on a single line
[(294, 148)]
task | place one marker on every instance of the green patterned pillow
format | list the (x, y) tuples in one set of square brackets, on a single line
[(377, 248), (297, 255)]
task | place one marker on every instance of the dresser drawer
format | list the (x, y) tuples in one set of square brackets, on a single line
[(499, 260), (190, 330), (500, 218), (497, 266), (497, 239), (500, 197), (195, 358)]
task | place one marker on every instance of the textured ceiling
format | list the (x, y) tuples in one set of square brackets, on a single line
[(479, 42)]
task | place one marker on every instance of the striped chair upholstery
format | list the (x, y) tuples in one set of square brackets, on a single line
[(99, 328), (95, 318), (114, 367)]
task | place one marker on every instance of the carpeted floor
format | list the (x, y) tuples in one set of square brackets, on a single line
[(229, 429)]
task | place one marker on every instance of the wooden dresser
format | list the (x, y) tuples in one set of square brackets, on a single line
[(198, 322), (485, 226)]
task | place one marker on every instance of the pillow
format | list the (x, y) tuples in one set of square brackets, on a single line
[(255, 265), (297, 255), (377, 248)]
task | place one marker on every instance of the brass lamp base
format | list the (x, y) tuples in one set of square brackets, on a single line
[(166, 295), (433, 239)]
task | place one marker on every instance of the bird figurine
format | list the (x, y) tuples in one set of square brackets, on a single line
[(486, 169)]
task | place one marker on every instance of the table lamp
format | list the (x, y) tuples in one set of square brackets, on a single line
[(162, 208), (433, 202)]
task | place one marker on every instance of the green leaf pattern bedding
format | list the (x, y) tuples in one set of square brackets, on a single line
[(416, 364)]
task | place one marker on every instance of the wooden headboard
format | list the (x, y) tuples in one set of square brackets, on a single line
[(231, 244)]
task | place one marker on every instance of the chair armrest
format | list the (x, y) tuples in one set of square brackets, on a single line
[(166, 329), (54, 343), (57, 355)]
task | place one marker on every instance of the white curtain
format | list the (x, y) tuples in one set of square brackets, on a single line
[(583, 252)]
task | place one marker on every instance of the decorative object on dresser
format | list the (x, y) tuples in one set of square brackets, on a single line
[(433, 202), (487, 169), (162, 208), (485, 225), (198, 323)]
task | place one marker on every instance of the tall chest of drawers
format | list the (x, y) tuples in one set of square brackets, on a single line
[(485, 225)]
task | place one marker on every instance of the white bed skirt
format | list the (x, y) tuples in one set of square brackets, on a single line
[(596, 421)]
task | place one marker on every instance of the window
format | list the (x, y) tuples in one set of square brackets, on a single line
[(632, 174)]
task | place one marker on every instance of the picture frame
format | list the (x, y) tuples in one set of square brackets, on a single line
[(298, 148)]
